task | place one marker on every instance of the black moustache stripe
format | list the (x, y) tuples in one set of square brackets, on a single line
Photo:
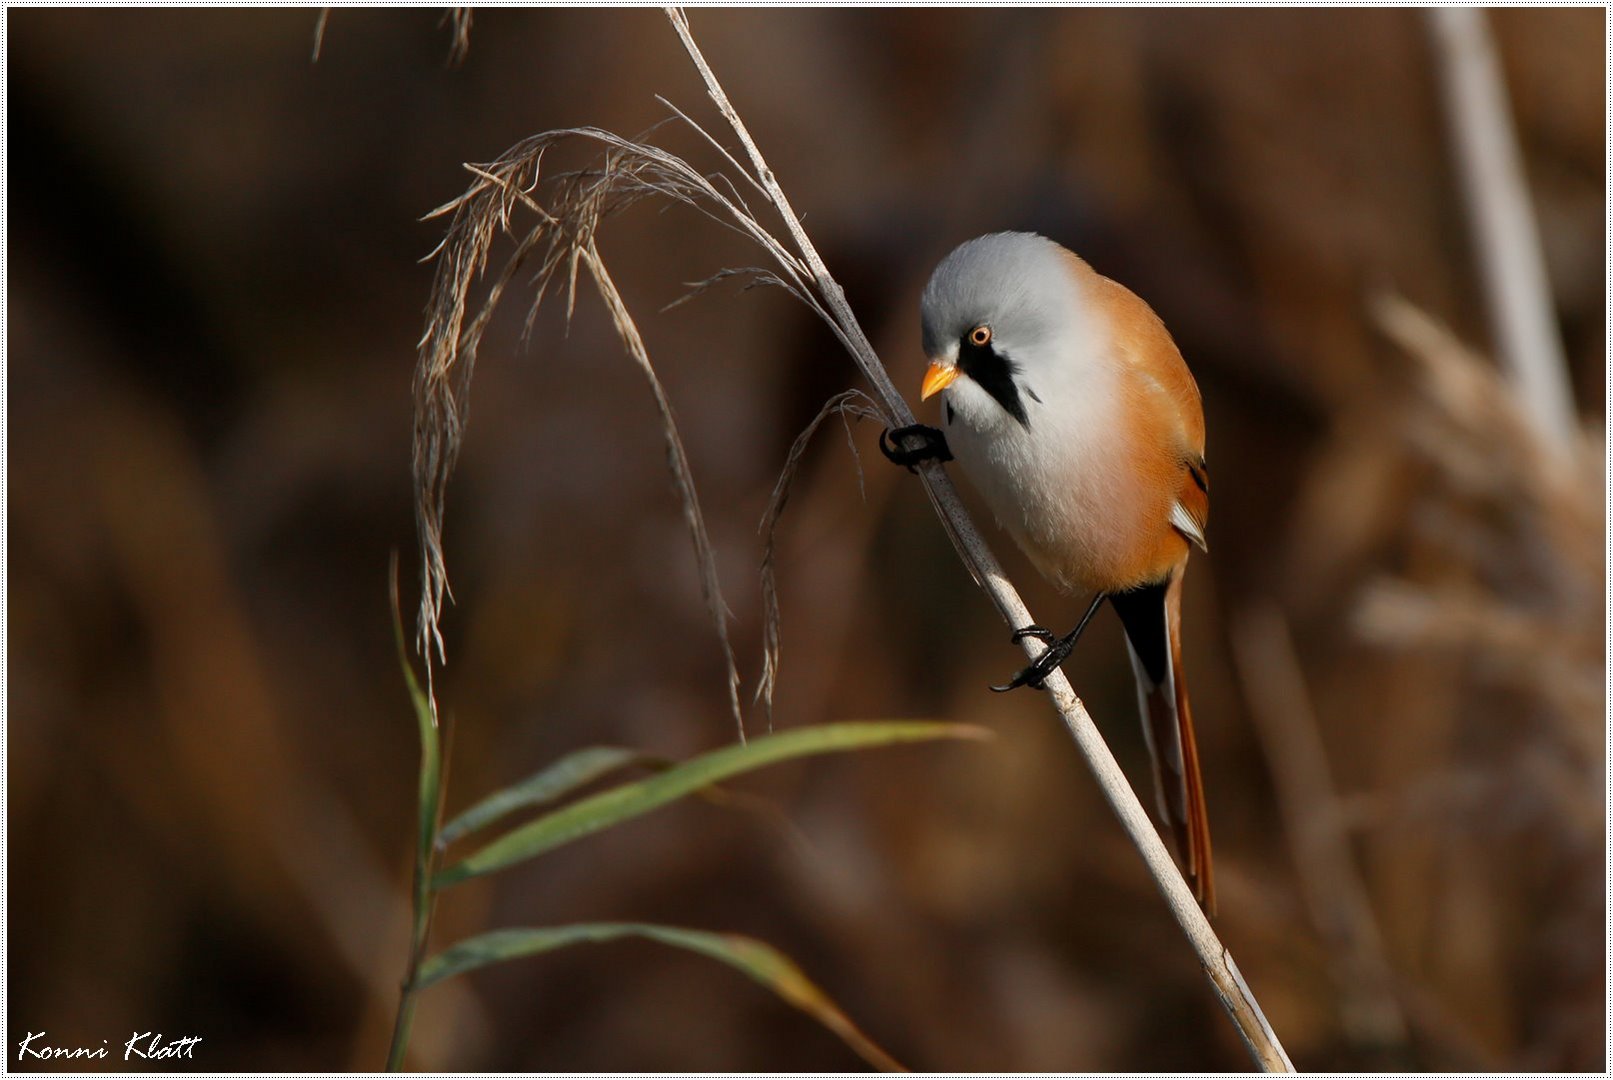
[(994, 373)]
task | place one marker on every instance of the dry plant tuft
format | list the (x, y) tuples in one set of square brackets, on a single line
[(569, 209), (1522, 521)]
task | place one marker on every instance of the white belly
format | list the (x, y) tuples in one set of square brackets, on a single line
[(1060, 486)]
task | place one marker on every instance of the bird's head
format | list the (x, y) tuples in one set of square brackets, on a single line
[(1005, 324)]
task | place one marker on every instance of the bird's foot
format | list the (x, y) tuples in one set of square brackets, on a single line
[(1058, 650), (913, 444), (1035, 674)]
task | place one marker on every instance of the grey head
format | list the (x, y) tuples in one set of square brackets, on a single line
[(1001, 307)]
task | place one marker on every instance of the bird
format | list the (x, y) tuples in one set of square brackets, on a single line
[(1068, 405)]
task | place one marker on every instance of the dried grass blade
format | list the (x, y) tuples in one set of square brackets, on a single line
[(678, 464), (853, 403)]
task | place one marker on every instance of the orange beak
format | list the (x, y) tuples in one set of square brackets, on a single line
[(937, 379)]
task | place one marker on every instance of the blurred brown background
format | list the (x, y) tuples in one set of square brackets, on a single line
[(213, 304)]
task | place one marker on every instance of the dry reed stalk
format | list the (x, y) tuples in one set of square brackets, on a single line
[(1502, 218), (457, 19)]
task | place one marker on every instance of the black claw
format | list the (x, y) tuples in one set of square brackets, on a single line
[(1024, 678), (1034, 674), (932, 448), (1040, 633)]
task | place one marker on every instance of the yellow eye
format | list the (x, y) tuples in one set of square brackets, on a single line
[(980, 336)]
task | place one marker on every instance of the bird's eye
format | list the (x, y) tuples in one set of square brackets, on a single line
[(980, 336)]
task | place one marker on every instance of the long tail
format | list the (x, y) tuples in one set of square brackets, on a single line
[(1153, 619)]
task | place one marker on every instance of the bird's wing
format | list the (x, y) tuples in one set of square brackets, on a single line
[(1190, 513), (1163, 410)]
